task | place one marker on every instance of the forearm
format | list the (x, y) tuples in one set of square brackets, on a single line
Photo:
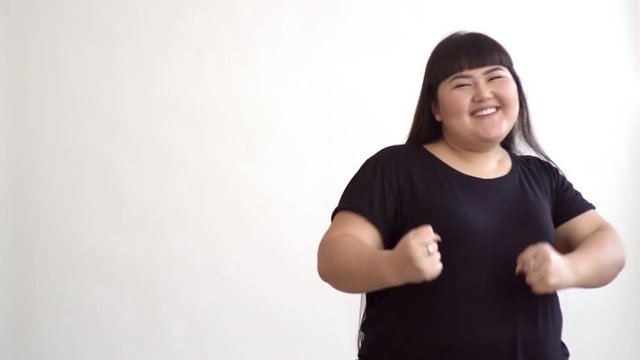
[(352, 266), (597, 260)]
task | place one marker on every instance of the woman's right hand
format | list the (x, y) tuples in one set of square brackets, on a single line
[(416, 256)]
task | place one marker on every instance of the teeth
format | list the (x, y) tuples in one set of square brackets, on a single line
[(485, 112)]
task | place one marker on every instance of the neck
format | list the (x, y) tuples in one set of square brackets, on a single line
[(486, 163), (477, 155)]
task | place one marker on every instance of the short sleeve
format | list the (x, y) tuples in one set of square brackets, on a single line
[(372, 194), (567, 201)]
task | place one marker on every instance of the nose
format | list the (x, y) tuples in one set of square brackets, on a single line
[(482, 92)]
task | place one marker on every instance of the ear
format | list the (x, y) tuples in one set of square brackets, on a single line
[(436, 111)]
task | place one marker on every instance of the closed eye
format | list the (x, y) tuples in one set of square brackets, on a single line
[(461, 85), (495, 78)]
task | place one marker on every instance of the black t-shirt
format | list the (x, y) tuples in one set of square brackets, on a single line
[(477, 308)]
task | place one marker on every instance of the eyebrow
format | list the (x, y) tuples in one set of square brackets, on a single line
[(462, 76)]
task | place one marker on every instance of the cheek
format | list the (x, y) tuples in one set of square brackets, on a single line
[(512, 98), (451, 106), (516, 105)]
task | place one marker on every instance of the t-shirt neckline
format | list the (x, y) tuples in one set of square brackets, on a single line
[(462, 174)]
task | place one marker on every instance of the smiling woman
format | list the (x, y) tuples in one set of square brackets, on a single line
[(459, 241), (479, 106)]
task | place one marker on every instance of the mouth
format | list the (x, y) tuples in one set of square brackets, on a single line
[(485, 111)]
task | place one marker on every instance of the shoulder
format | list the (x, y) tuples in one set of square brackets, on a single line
[(536, 165), (392, 162), (540, 172), (397, 154)]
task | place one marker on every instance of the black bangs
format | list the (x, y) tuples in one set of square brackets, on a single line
[(464, 51)]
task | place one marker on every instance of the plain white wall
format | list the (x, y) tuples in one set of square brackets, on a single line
[(170, 167), (4, 233)]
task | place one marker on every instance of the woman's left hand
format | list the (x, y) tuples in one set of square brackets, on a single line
[(546, 270)]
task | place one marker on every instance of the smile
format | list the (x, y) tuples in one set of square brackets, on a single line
[(485, 112)]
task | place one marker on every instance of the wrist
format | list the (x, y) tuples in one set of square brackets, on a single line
[(391, 268), (572, 271)]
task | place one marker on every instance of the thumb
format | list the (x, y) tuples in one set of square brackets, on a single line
[(525, 257)]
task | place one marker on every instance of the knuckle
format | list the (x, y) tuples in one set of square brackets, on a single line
[(425, 230)]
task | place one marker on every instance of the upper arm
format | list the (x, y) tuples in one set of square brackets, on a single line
[(571, 234), (350, 225)]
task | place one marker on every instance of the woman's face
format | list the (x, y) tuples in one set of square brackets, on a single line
[(477, 107)]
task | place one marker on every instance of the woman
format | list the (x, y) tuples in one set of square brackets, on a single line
[(459, 241)]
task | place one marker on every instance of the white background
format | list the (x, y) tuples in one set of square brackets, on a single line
[(168, 168)]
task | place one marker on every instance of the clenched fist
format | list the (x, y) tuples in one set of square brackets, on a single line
[(416, 256), (546, 271)]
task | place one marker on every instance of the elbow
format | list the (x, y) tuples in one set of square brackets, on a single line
[(618, 260), (328, 276), (622, 260), (328, 272), (324, 267), (323, 272), (616, 254)]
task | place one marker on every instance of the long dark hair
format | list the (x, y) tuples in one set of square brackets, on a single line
[(463, 51)]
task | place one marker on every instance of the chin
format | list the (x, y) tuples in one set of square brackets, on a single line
[(495, 140), (495, 136)]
